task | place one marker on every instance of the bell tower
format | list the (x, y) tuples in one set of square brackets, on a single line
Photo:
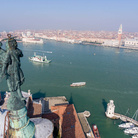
[(120, 34)]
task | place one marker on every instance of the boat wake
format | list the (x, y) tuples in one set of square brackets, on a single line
[(43, 51)]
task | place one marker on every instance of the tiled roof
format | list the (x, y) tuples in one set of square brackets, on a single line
[(34, 109), (69, 124)]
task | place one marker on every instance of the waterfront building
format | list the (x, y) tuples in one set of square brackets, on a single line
[(28, 38), (112, 42), (40, 35), (131, 42)]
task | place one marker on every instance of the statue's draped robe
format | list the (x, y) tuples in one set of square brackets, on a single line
[(12, 70), (2, 57)]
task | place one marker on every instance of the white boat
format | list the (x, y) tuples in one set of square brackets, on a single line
[(38, 58), (78, 84), (131, 131), (126, 125), (135, 136)]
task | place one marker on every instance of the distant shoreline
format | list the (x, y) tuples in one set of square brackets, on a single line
[(100, 44), (123, 47), (94, 44)]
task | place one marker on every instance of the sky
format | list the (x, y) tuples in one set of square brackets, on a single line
[(92, 15)]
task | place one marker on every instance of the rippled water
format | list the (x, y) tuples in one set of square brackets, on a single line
[(109, 73)]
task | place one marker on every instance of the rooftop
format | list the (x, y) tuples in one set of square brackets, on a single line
[(48, 102), (69, 125), (44, 127)]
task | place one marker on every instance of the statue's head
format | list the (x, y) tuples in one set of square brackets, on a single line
[(11, 42)]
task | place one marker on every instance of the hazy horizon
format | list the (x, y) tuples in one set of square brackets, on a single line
[(69, 15)]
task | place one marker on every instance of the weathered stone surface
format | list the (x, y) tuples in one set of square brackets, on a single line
[(11, 70), (15, 102)]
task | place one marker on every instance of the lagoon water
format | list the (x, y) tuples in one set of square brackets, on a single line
[(109, 73)]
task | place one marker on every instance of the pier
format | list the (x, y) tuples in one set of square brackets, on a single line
[(85, 125), (125, 118), (111, 114)]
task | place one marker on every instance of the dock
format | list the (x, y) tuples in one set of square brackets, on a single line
[(85, 125), (125, 118), (110, 113)]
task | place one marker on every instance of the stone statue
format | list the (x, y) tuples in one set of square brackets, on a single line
[(20, 125), (14, 75)]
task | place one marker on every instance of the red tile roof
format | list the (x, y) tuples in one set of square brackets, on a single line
[(69, 124), (34, 109)]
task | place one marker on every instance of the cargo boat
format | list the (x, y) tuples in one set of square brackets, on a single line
[(95, 131), (78, 84)]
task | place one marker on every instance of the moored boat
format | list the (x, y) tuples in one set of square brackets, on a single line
[(135, 136), (95, 131), (126, 125), (131, 131), (78, 84), (38, 58)]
